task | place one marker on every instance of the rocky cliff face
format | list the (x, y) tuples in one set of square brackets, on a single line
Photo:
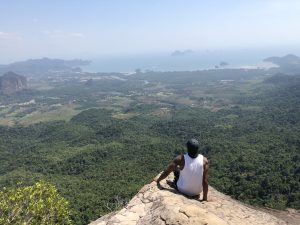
[(11, 82), (165, 206)]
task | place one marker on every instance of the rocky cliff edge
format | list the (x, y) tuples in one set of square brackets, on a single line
[(163, 205)]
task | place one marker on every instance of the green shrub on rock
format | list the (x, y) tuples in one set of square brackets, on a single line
[(36, 204)]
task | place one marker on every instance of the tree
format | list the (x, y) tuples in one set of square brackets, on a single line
[(36, 204)]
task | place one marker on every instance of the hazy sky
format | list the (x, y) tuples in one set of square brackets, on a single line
[(76, 28)]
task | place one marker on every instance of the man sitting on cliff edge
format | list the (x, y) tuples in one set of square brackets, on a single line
[(190, 171)]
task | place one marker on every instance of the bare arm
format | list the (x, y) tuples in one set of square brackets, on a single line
[(205, 179), (172, 166)]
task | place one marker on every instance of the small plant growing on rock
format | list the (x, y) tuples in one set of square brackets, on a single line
[(36, 204)]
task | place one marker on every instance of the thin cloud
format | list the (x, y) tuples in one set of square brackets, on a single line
[(9, 36), (62, 34)]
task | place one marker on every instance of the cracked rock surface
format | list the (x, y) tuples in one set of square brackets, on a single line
[(165, 206)]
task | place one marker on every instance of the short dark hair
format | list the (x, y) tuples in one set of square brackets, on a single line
[(193, 148)]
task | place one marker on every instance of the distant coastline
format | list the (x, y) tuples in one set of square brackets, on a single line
[(161, 62)]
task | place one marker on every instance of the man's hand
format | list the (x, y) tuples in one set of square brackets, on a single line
[(210, 199), (155, 179)]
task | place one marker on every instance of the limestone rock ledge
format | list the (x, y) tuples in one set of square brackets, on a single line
[(165, 206)]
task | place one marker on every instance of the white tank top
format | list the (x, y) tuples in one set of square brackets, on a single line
[(190, 178)]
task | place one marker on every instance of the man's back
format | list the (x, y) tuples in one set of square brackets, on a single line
[(191, 176)]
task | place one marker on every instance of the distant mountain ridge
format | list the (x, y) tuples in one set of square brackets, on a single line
[(286, 64), (44, 65), (11, 83), (182, 53)]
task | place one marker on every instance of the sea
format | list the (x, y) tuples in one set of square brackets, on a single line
[(188, 60)]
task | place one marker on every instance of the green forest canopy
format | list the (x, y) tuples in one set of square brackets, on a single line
[(97, 161)]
